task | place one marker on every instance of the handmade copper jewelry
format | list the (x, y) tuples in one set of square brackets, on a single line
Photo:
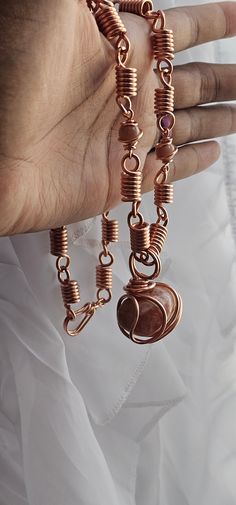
[(148, 310), (70, 288)]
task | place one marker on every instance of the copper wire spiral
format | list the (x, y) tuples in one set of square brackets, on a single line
[(59, 241), (163, 101), (110, 230), (70, 292), (131, 184), (139, 7), (109, 22), (138, 285), (140, 237), (126, 81), (158, 234), (163, 44), (163, 193), (103, 277)]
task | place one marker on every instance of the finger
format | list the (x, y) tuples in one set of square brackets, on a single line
[(200, 83), (202, 23), (200, 123), (189, 160)]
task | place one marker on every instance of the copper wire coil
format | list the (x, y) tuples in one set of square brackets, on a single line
[(140, 237), (137, 285), (70, 292), (131, 184), (163, 44), (110, 230), (59, 241), (163, 193), (158, 234), (103, 277), (139, 7), (163, 101), (126, 81), (109, 22)]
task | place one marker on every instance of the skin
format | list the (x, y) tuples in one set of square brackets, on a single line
[(59, 153)]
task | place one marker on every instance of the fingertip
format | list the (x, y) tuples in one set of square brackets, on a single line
[(210, 152)]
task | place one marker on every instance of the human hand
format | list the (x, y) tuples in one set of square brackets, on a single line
[(59, 153)]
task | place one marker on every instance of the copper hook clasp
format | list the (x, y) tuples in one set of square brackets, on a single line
[(87, 311)]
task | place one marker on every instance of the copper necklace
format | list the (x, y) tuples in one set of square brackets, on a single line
[(148, 310)]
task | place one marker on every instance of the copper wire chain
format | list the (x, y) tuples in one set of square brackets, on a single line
[(70, 290), (146, 241), (163, 52), (145, 246)]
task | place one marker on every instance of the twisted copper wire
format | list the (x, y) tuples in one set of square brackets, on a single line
[(70, 292), (140, 237), (109, 21), (163, 193), (155, 263), (103, 277), (131, 185), (163, 44), (110, 230), (126, 81), (163, 101), (59, 241), (158, 234), (139, 7), (138, 285)]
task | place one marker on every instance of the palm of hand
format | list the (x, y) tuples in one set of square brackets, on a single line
[(61, 146)]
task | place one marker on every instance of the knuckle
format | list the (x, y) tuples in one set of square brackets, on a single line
[(195, 126), (210, 84), (195, 28)]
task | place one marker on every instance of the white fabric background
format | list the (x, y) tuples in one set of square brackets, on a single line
[(97, 420)]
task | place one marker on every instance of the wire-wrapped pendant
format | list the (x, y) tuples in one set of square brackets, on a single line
[(148, 311)]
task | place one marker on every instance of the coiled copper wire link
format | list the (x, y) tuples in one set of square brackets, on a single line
[(70, 292), (139, 7), (131, 185), (140, 237), (163, 101), (126, 81), (59, 241), (109, 21), (104, 277), (158, 234), (163, 193), (163, 44), (110, 230)]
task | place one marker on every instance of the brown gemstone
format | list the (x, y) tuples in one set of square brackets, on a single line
[(129, 132), (165, 152), (151, 317)]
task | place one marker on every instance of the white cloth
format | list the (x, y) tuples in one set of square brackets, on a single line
[(97, 420)]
